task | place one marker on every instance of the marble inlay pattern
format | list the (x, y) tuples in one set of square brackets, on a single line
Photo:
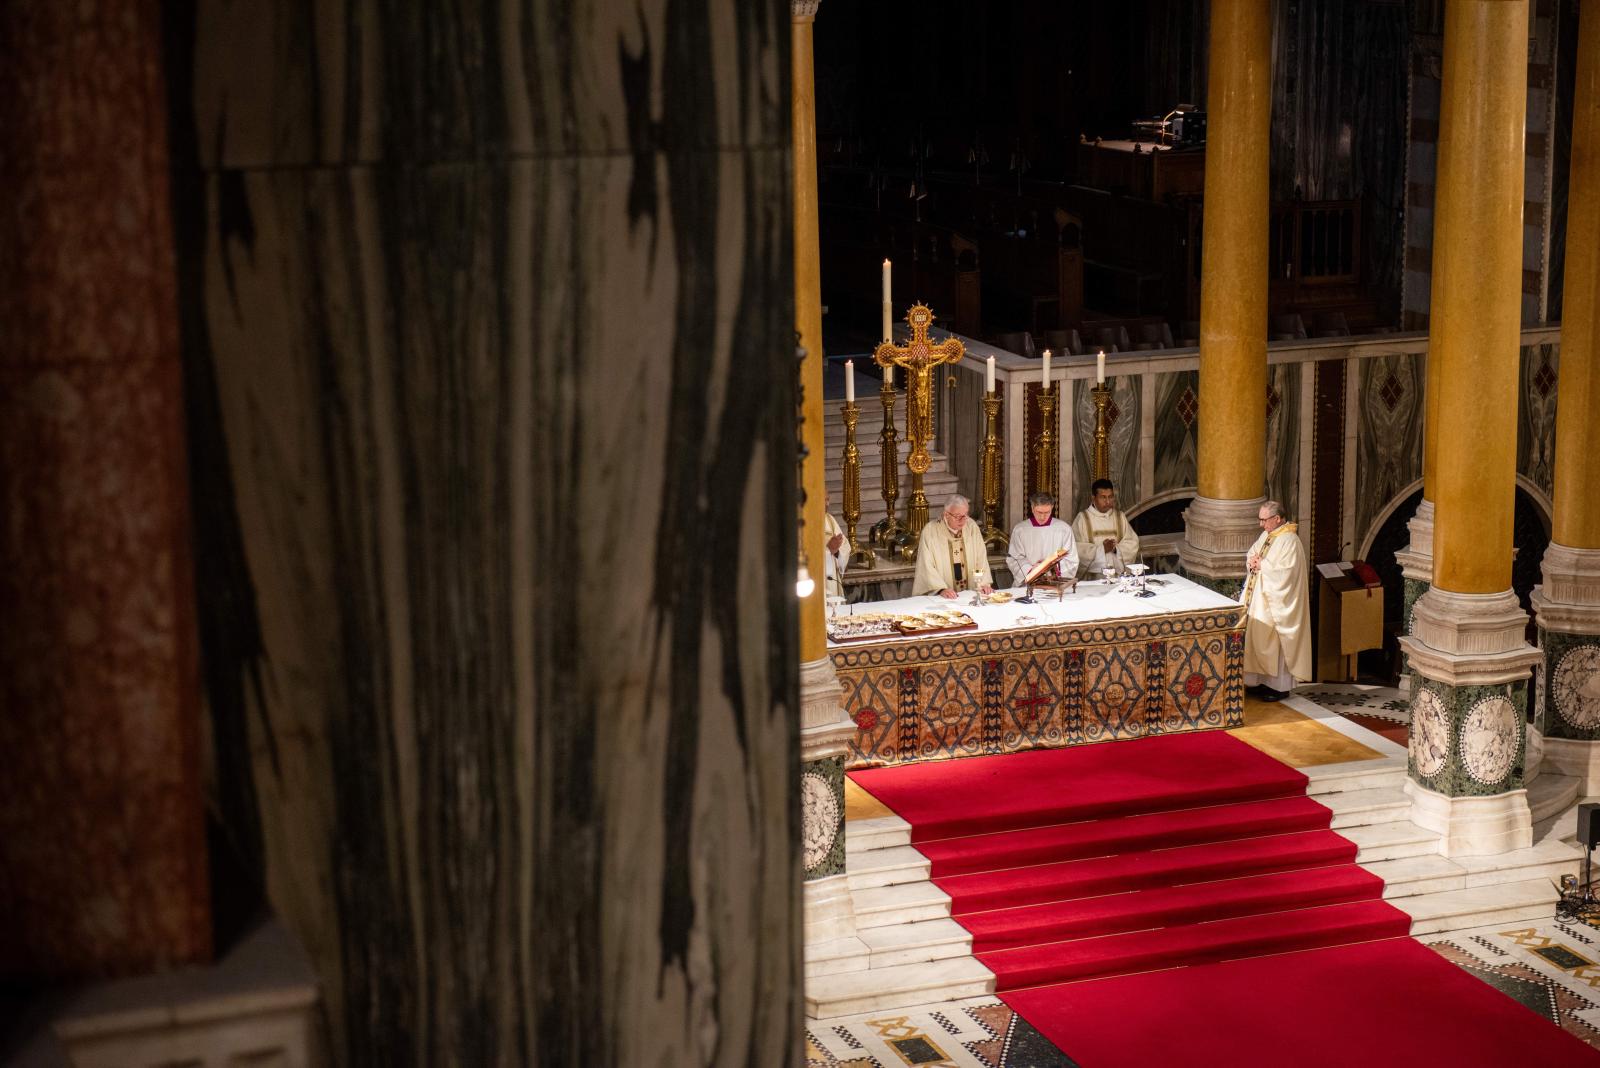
[(518, 771), (1536, 415), (1467, 740), (1551, 967), (1124, 465), (822, 814), (980, 1033), (1569, 700), (1283, 435), (102, 840), (1177, 431), (1389, 408)]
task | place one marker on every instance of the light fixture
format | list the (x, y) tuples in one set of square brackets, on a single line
[(804, 585)]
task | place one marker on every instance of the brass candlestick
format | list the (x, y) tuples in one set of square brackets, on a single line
[(993, 536), (920, 356), (1100, 458), (1046, 471), (888, 533), (860, 555)]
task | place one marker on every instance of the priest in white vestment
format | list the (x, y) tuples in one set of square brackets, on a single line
[(836, 554), (1277, 636), (951, 556), (1036, 539), (1105, 537)]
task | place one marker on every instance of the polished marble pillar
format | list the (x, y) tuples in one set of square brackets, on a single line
[(1466, 648), (1221, 524), (491, 313), (102, 835), (1567, 605)]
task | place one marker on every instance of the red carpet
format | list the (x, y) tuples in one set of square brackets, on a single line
[(1193, 878)]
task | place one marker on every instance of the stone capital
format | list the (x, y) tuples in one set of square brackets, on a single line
[(1469, 639), (803, 10), (1217, 535), (1569, 599), (824, 727)]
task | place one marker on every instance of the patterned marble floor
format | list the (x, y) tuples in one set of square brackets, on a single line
[(977, 1033), (1552, 967)]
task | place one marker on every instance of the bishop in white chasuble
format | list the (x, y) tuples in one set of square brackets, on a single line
[(950, 554), (1277, 636)]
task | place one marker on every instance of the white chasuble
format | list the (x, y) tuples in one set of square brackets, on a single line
[(1091, 527), (1032, 546), (938, 551), (834, 564), (1277, 636)]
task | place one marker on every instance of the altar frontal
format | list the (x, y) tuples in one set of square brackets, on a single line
[(1101, 665)]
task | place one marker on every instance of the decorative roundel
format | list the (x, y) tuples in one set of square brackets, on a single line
[(1575, 684), (1489, 739), (819, 816), (1430, 733)]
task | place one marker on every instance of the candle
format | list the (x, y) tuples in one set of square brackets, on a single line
[(888, 376), (1045, 378), (1100, 368), (988, 377), (888, 304), (850, 381)]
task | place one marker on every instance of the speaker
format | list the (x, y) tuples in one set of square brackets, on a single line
[(1589, 825)]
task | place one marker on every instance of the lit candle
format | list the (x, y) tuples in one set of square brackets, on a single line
[(1100, 368), (1045, 378), (850, 381), (988, 377), (888, 305)]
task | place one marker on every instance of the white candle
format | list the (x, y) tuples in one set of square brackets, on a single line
[(888, 376), (850, 381), (888, 304), (1045, 378), (1100, 369), (988, 377)]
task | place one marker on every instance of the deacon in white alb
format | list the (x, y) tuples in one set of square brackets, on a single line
[(1105, 537), (950, 554), (1036, 538), (1277, 636), (836, 558)]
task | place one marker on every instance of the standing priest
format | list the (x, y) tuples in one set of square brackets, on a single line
[(1277, 636), (1036, 539), (950, 554), (1105, 537)]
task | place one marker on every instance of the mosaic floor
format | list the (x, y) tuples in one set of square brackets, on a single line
[(978, 1033), (1383, 710), (1551, 967)]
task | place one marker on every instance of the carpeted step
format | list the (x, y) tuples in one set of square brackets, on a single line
[(945, 798), (1065, 880), (1169, 906), (1198, 943), (1123, 834)]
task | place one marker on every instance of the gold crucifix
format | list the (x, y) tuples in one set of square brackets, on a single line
[(918, 358)]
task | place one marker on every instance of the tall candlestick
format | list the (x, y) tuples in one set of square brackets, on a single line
[(849, 381), (1100, 368), (988, 377), (1045, 376), (888, 304), (888, 376)]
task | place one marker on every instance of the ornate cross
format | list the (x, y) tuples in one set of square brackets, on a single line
[(1035, 699), (919, 357)]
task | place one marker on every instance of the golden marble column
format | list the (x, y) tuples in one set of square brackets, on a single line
[(1476, 309), (808, 321), (1221, 524)]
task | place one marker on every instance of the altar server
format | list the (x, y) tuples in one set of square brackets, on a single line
[(1104, 535), (1277, 636), (1036, 538), (836, 557), (951, 555)]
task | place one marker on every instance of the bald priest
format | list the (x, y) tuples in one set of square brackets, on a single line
[(950, 554)]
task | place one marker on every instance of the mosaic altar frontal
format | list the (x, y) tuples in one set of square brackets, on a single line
[(1064, 682)]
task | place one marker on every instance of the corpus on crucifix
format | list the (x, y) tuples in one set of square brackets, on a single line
[(919, 357)]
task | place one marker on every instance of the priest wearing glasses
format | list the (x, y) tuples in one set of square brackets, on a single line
[(950, 554)]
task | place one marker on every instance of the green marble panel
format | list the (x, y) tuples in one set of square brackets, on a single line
[(1536, 415), (1123, 416), (1177, 426), (1283, 435), (1467, 741), (1567, 702), (1389, 406), (822, 817)]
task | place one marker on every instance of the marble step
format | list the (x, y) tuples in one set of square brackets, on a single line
[(886, 866), (1362, 808), (905, 985), (1387, 773), (1391, 841), (839, 955), (1550, 794), (1410, 876), (882, 906), (1478, 906), (910, 943), (878, 832)]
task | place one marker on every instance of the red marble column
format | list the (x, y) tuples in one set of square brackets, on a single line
[(102, 849)]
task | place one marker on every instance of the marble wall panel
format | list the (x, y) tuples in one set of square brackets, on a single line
[(1177, 430), (1536, 415), (1283, 435), (1389, 408), (496, 481), (1123, 416)]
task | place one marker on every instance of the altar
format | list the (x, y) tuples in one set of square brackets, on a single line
[(1098, 665)]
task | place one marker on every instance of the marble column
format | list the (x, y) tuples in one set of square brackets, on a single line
[(102, 834), (1466, 647), (1221, 524), (490, 309), (1567, 605), (824, 726)]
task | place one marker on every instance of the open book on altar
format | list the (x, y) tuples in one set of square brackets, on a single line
[(1045, 567)]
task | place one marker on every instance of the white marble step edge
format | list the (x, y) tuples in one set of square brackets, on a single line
[(912, 943), (1391, 841), (884, 906), (1479, 906), (1362, 808), (1421, 875), (886, 866), (1551, 794), (1385, 773), (879, 832), (847, 993), (837, 955)]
